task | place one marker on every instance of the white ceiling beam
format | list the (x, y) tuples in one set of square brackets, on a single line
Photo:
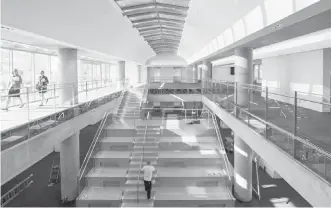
[(156, 19), (150, 11), (141, 6), (151, 24), (162, 28), (154, 11)]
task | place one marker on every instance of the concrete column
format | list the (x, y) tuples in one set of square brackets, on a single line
[(242, 152), (139, 74), (67, 76), (243, 73), (149, 74), (243, 155), (206, 70), (121, 73), (69, 160), (195, 73)]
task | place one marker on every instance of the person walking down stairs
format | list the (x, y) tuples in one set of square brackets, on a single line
[(148, 175)]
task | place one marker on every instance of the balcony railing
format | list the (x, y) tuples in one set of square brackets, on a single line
[(21, 124), (291, 122)]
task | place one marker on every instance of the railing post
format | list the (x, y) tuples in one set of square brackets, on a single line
[(54, 97), (27, 102), (227, 90), (295, 120), (249, 104), (86, 90), (73, 94), (266, 111)]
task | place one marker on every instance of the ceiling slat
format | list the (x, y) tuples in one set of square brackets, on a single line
[(141, 6)]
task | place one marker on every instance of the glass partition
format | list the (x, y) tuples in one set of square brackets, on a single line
[(298, 126)]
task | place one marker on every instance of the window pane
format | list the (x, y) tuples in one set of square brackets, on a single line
[(254, 21), (98, 72), (239, 30), (277, 10), (41, 64), (22, 61), (4, 68), (228, 37), (301, 4), (54, 68)]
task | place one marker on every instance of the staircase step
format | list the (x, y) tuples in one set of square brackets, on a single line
[(137, 163), (135, 182), (142, 203)]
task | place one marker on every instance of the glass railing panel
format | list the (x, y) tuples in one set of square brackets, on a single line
[(314, 121), (257, 102), (281, 139), (280, 110), (291, 122), (43, 119)]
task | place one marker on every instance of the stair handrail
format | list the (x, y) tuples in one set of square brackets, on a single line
[(141, 162), (119, 101), (17, 189), (90, 150), (221, 144)]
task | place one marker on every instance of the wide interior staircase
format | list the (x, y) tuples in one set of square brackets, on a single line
[(192, 169)]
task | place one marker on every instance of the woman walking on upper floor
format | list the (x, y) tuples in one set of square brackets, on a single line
[(14, 88), (42, 87)]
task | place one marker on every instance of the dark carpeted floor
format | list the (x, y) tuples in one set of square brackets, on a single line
[(38, 194), (276, 190)]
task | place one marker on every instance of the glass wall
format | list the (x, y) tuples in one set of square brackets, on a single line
[(30, 64), (5, 68)]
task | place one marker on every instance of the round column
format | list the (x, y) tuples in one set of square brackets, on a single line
[(242, 152), (195, 73), (121, 73), (139, 73), (67, 77), (206, 70), (242, 170), (243, 74), (69, 166)]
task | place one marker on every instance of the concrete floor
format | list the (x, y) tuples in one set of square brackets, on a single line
[(274, 192)]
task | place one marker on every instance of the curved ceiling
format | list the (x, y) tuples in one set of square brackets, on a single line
[(207, 19), (94, 25), (166, 59), (160, 22)]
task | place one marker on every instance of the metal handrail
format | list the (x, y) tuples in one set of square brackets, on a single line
[(220, 141), (90, 150), (261, 89), (304, 141), (141, 162), (12, 193)]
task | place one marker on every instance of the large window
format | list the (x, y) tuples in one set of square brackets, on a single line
[(54, 68), (41, 63), (5, 68), (29, 64), (22, 61)]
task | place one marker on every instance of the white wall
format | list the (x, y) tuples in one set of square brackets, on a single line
[(131, 72), (166, 73), (187, 74), (295, 72), (222, 73)]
